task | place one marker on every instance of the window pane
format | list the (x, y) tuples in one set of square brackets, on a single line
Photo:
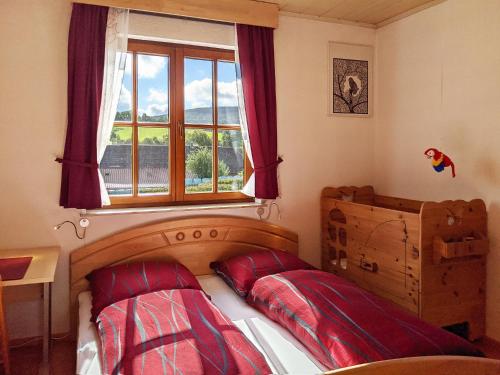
[(230, 168), (227, 99), (116, 165), (199, 151), (153, 160), (152, 88), (124, 109), (198, 86)]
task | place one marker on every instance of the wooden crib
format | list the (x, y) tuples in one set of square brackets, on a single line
[(428, 257)]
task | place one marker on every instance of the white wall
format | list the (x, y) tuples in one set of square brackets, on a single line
[(317, 149), (437, 83)]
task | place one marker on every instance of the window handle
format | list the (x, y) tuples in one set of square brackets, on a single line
[(180, 128)]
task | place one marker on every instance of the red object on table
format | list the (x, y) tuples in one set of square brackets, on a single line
[(14, 268)]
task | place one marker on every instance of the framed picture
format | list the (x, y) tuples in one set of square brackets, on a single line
[(350, 80)]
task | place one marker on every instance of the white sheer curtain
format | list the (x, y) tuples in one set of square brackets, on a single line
[(249, 188), (114, 67)]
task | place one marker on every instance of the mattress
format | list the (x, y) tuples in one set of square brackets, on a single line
[(282, 351)]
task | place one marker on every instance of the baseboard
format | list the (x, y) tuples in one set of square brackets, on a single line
[(37, 340)]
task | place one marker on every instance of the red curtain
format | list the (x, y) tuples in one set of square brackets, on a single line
[(256, 54), (86, 44)]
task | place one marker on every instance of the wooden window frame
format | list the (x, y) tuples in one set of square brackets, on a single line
[(177, 127)]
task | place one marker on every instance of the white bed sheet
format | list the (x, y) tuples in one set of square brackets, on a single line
[(290, 353)]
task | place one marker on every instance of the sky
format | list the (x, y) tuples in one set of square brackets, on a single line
[(153, 84)]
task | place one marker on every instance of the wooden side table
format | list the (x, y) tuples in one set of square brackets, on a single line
[(40, 271)]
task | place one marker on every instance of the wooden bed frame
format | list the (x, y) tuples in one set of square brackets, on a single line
[(192, 241), (197, 241), (432, 365)]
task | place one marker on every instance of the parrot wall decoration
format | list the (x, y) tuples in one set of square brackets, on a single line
[(439, 160)]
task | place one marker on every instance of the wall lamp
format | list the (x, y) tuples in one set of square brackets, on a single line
[(84, 223), (261, 211)]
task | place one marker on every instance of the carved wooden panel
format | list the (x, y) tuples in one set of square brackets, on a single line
[(428, 257)]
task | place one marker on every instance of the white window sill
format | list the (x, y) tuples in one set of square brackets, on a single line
[(148, 210)]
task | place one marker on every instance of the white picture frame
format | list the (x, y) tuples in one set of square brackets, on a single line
[(350, 80)]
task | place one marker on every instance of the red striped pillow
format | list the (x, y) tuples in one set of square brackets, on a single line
[(113, 284), (242, 271)]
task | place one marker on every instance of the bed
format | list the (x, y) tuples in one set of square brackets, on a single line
[(197, 241), (287, 354)]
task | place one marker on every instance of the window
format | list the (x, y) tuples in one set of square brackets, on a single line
[(176, 136)]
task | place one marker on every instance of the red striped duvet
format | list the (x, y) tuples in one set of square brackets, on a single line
[(173, 332), (343, 325)]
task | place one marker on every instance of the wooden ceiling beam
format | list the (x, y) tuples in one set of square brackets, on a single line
[(233, 11)]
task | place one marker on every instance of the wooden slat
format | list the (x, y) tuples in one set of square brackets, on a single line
[(401, 204), (383, 9), (409, 12), (346, 10), (375, 8), (435, 365), (363, 194), (366, 13), (327, 19), (233, 11), (318, 7), (296, 6), (383, 214)]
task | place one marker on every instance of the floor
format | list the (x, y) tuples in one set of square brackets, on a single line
[(25, 360)]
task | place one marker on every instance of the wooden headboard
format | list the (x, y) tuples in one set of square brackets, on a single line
[(192, 241)]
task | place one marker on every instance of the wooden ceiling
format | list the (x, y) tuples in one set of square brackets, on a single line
[(370, 13)]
